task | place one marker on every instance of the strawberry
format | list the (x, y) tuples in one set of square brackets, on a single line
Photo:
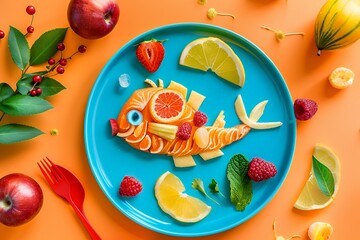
[(150, 54), (130, 187), (114, 126)]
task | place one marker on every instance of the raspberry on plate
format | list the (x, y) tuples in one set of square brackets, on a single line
[(184, 131), (305, 109), (200, 119), (260, 170), (130, 187)]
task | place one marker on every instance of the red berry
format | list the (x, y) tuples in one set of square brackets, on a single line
[(2, 34), (60, 70), (260, 170), (51, 61), (200, 119), (130, 187), (63, 62), (30, 29), (61, 46), (82, 49), (184, 131), (30, 10), (33, 92), (114, 126), (305, 109), (38, 91), (37, 79)]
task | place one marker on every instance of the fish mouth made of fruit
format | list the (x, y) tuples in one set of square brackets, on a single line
[(160, 120)]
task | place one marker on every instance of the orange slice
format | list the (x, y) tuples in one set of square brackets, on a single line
[(145, 143), (167, 106), (157, 144), (138, 134)]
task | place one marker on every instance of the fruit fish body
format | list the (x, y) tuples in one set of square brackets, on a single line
[(337, 24), (142, 139)]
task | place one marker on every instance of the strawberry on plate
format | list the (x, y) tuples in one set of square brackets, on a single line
[(150, 54)]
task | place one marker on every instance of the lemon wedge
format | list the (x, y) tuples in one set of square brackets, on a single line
[(341, 78), (169, 192), (311, 197), (213, 53)]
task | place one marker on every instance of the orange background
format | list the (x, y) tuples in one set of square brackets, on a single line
[(336, 124)]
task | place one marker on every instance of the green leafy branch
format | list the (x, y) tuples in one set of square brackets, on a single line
[(18, 102)]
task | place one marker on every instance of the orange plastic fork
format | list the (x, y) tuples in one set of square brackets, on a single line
[(61, 186)]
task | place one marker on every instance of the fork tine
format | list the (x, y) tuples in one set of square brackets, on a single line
[(46, 173), (55, 170)]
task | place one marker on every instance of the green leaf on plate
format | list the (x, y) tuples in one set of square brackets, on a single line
[(11, 133), (19, 48), (323, 177), (20, 105), (46, 46), (5, 91), (240, 183)]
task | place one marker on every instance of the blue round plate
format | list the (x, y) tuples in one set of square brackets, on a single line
[(110, 158)]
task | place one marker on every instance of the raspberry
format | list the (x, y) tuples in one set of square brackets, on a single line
[(260, 170), (200, 119), (130, 187), (305, 108), (184, 131)]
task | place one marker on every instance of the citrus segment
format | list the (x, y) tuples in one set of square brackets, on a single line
[(169, 192), (311, 197), (213, 53), (167, 106), (341, 78)]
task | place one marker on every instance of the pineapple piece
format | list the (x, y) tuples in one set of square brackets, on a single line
[(195, 100), (150, 82), (161, 83), (165, 131), (220, 122), (184, 161), (178, 87), (211, 154)]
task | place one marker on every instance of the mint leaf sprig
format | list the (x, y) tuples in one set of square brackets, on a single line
[(28, 98)]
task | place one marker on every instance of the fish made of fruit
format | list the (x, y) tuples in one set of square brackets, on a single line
[(160, 121)]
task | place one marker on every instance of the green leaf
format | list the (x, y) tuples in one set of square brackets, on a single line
[(240, 183), (12, 133), (48, 86), (198, 184), (5, 91), (19, 48), (214, 187), (20, 105), (323, 177), (24, 85), (46, 46)]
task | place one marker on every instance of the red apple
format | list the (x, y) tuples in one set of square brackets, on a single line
[(93, 19), (21, 199)]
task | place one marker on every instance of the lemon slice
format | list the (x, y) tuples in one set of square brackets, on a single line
[(311, 197), (169, 192), (341, 78), (213, 53)]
